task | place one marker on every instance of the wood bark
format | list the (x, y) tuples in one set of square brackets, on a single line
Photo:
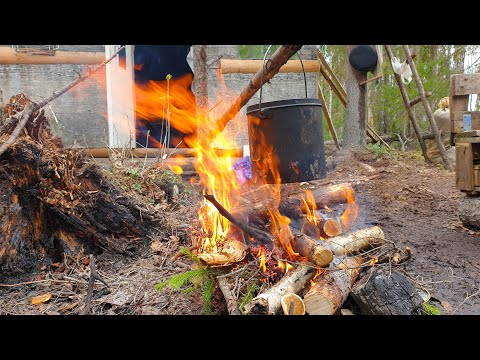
[(200, 79), (272, 67), (332, 288), (355, 118), (356, 241), (382, 293), (269, 302)]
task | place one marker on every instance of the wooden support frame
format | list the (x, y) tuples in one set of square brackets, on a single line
[(120, 100), (428, 110), (406, 101)]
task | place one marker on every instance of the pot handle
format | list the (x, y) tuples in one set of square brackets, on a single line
[(261, 78)]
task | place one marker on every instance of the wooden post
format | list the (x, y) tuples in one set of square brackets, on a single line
[(200, 79), (120, 100), (8, 55), (327, 114), (464, 176), (428, 110), (235, 66), (410, 112)]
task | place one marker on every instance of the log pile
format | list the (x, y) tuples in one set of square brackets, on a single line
[(56, 201), (328, 256)]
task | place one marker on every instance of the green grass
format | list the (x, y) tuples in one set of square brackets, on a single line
[(429, 309)]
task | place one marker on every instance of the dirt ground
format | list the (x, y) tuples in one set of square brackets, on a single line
[(414, 203)]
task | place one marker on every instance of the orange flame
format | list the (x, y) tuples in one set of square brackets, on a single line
[(351, 212), (285, 266), (311, 207), (317, 274), (263, 259)]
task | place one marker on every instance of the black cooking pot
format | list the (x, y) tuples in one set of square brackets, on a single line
[(291, 133)]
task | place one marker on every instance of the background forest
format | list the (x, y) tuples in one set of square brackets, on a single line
[(385, 108)]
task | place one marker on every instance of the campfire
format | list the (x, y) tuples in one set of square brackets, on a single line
[(298, 234)]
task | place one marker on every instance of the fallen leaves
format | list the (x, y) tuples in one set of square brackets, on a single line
[(40, 299)]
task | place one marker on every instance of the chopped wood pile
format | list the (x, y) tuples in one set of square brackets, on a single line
[(327, 259), (55, 201)]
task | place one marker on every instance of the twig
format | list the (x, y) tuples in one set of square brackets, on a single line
[(468, 297), (30, 109), (259, 235), (91, 282), (232, 305)]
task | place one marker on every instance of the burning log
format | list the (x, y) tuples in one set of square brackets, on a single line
[(385, 293), (313, 250), (356, 241), (269, 302), (332, 288), (292, 304)]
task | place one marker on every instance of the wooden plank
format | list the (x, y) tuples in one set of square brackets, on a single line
[(476, 175), (234, 66), (457, 123), (9, 55), (458, 116), (470, 140), (468, 134), (464, 178), (465, 84), (120, 100)]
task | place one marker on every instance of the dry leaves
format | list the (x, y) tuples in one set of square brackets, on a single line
[(40, 299)]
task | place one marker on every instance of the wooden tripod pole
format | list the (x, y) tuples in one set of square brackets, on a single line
[(428, 110), (406, 101)]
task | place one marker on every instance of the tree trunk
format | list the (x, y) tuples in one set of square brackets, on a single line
[(331, 289), (269, 302), (383, 294), (355, 118), (459, 58), (200, 78)]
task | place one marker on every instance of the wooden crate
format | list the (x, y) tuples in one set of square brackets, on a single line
[(461, 86)]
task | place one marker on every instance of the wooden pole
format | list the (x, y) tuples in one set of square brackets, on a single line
[(272, 66), (327, 114), (428, 110), (234, 66), (157, 152), (332, 78), (200, 78), (8, 55), (406, 101)]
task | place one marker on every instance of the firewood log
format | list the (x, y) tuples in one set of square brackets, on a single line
[(313, 250), (332, 288), (356, 241), (269, 302)]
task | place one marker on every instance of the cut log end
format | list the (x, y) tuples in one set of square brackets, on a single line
[(332, 227), (232, 251), (292, 304)]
